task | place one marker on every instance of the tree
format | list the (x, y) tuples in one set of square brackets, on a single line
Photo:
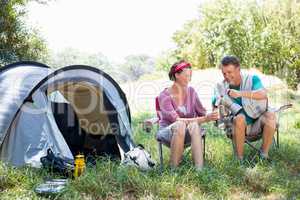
[(135, 66), (191, 45), (263, 34), (71, 56), (18, 41), (166, 59)]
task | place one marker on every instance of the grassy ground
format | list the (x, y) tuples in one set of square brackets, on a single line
[(222, 177)]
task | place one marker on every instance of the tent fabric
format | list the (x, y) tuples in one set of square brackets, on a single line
[(91, 76), (32, 133), (16, 82), (29, 123), (97, 80)]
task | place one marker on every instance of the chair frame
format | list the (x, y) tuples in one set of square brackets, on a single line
[(156, 120), (248, 141)]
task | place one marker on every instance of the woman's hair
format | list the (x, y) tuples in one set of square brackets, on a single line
[(174, 69)]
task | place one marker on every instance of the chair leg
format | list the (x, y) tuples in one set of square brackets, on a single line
[(204, 148), (277, 143), (274, 142), (257, 151), (233, 148), (252, 146), (160, 153)]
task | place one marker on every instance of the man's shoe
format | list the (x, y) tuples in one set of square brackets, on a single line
[(241, 161), (264, 157)]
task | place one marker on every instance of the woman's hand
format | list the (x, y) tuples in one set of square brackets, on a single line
[(187, 120), (212, 116)]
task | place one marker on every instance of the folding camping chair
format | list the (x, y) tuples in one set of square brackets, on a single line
[(161, 143), (249, 139)]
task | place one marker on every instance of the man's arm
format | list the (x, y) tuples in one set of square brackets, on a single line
[(258, 91), (256, 95)]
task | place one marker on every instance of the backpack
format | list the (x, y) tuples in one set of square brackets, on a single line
[(57, 164)]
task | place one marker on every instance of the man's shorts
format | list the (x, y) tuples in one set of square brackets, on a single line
[(257, 127)]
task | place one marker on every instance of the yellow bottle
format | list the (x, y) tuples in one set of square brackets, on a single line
[(79, 165)]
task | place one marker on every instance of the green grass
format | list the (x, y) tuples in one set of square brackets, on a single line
[(222, 177)]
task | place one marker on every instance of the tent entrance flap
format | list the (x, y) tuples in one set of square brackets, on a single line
[(89, 121)]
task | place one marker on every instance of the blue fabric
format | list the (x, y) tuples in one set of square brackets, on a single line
[(256, 83)]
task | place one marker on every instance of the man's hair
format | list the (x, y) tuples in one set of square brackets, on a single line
[(230, 60)]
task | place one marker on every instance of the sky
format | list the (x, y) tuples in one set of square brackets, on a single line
[(116, 28)]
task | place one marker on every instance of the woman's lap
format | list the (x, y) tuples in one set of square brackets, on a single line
[(165, 134)]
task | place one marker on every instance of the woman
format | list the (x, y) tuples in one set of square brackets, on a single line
[(181, 114)]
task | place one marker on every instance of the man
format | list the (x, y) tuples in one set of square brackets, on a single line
[(245, 95)]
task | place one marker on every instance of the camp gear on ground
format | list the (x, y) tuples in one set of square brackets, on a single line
[(139, 157), (51, 186), (79, 165), (57, 164)]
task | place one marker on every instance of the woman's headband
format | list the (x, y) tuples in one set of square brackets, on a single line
[(181, 66)]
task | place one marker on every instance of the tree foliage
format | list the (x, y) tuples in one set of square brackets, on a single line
[(71, 56), (264, 34), (166, 59), (135, 66), (17, 40)]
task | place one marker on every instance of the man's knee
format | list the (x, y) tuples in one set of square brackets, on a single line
[(239, 120), (269, 119), (270, 116)]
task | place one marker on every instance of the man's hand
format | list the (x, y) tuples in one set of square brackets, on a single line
[(212, 116), (234, 93)]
